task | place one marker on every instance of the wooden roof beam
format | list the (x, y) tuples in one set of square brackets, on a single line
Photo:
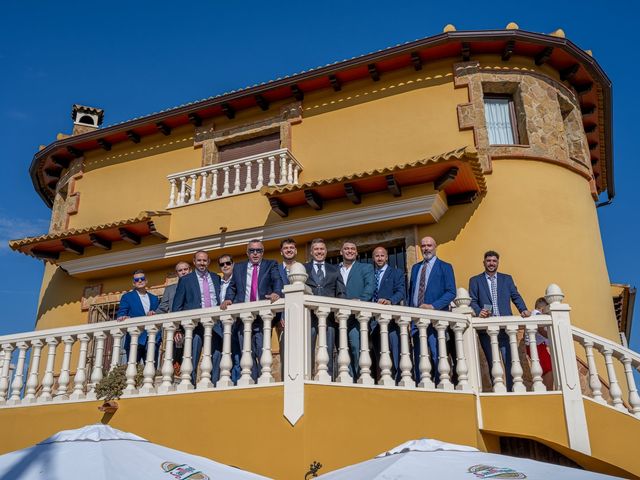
[(133, 136), (44, 254), (590, 128), (61, 162), (129, 236), (569, 72), (465, 51), (70, 246), (416, 61), (104, 144), (352, 193), (393, 186), (228, 110), (163, 128), (313, 199), (336, 84), (508, 50), (544, 56), (102, 243), (446, 179), (587, 110), (195, 119), (462, 198), (76, 152), (262, 102), (278, 207), (373, 72), (584, 88), (297, 93)]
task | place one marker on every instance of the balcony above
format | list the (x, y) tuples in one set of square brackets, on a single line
[(244, 175)]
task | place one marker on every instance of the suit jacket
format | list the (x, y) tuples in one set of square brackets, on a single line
[(131, 306), (392, 286), (507, 292), (188, 296), (361, 282), (441, 285), (166, 302), (283, 274), (269, 281), (333, 286)]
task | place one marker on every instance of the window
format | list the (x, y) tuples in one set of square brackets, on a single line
[(246, 148), (500, 115)]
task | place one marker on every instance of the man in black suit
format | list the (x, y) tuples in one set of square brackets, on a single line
[(253, 280), (324, 280)]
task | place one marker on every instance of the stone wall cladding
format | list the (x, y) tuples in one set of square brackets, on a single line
[(547, 112)]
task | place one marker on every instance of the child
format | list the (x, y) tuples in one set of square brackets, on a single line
[(541, 346)]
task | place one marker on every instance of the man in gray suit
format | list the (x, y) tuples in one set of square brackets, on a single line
[(360, 282)]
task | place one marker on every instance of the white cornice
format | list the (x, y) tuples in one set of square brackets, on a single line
[(432, 205)]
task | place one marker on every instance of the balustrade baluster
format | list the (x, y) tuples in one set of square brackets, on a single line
[(614, 388), (594, 380), (98, 358), (7, 348), (116, 348), (634, 399), (247, 186), (81, 371), (225, 361), (18, 377), (322, 355), (64, 378), (206, 365), (385, 358), (203, 186), (444, 369), (187, 365), (48, 379), (132, 363), (246, 361), (32, 381), (497, 372), (266, 359), (462, 369), (283, 170), (192, 192), (260, 163), (272, 171), (516, 366), (536, 368), (405, 354), (183, 188), (289, 171), (225, 186), (343, 350), (172, 193), (365, 356), (424, 364), (169, 330), (236, 186), (296, 172), (149, 371)]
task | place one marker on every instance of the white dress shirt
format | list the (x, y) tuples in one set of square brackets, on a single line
[(344, 271), (146, 302), (224, 284)]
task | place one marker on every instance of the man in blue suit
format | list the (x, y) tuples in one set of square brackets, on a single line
[(491, 295), (433, 287), (201, 289), (139, 303), (289, 251), (360, 283), (390, 290), (253, 280)]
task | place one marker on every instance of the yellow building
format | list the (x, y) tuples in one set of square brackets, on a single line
[(483, 140)]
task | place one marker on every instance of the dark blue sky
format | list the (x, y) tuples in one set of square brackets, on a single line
[(135, 58)]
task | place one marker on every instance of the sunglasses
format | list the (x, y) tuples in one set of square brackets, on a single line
[(225, 264), (139, 279), (255, 250)]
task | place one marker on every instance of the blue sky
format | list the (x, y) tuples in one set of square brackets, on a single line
[(135, 58)]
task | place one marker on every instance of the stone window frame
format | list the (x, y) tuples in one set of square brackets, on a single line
[(510, 91)]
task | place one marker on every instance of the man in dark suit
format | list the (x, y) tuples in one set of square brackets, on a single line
[(433, 287), (390, 290), (201, 289), (139, 303), (360, 284), (491, 295), (325, 280), (289, 251), (253, 280)]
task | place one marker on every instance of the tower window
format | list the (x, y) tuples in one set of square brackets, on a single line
[(500, 116)]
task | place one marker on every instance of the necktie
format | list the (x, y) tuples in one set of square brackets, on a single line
[(375, 293), (319, 273), (422, 287), (206, 293), (494, 295), (253, 296)]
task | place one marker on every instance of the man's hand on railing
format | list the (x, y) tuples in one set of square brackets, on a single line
[(273, 297), (150, 312), (525, 313), (484, 313), (225, 304), (384, 301), (426, 306), (122, 319)]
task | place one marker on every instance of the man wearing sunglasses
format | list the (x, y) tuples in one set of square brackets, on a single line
[(253, 280), (139, 303)]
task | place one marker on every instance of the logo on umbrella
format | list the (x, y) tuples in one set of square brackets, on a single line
[(489, 471), (183, 471)]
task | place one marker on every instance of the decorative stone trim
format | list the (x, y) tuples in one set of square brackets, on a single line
[(67, 200)]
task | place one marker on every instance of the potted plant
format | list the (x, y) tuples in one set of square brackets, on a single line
[(111, 387)]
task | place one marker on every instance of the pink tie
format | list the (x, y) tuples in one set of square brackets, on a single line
[(253, 296), (206, 293)]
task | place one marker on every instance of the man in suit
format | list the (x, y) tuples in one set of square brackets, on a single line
[(289, 251), (325, 280), (491, 295), (253, 280), (166, 304), (360, 283), (433, 287), (139, 303), (201, 289), (390, 290)]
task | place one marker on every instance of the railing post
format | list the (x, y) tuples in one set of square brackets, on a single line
[(7, 348), (343, 348), (296, 335), (634, 399), (568, 377), (32, 381), (48, 379), (149, 371), (365, 356), (516, 366), (424, 362), (206, 365), (322, 355), (169, 330), (116, 348), (444, 368), (96, 372), (266, 359), (469, 347), (187, 365), (172, 193), (18, 381), (405, 354), (132, 364), (81, 371), (64, 378), (385, 358), (225, 361)]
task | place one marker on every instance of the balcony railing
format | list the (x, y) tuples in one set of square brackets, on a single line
[(244, 175), (31, 375)]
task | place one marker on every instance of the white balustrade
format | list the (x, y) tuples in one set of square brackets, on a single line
[(266, 359), (117, 335), (322, 355), (132, 365), (424, 362), (365, 358), (64, 378), (405, 354), (246, 360), (194, 186), (206, 365), (187, 366), (32, 381), (343, 348), (444, 368), (385, 358), (98, 359), (81, 371), (48, 379), (462, 370), (149, 371), (516, 367), (536, 368), (166, 384), (226, 362), (7, 348), (16, 385)]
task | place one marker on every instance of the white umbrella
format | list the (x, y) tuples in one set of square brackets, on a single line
[(428, 458), (100, 452)]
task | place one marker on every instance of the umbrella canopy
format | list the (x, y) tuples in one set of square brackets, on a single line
[(100, 452), (428, 458)]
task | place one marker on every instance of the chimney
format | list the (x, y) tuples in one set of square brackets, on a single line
[(86, 119)]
